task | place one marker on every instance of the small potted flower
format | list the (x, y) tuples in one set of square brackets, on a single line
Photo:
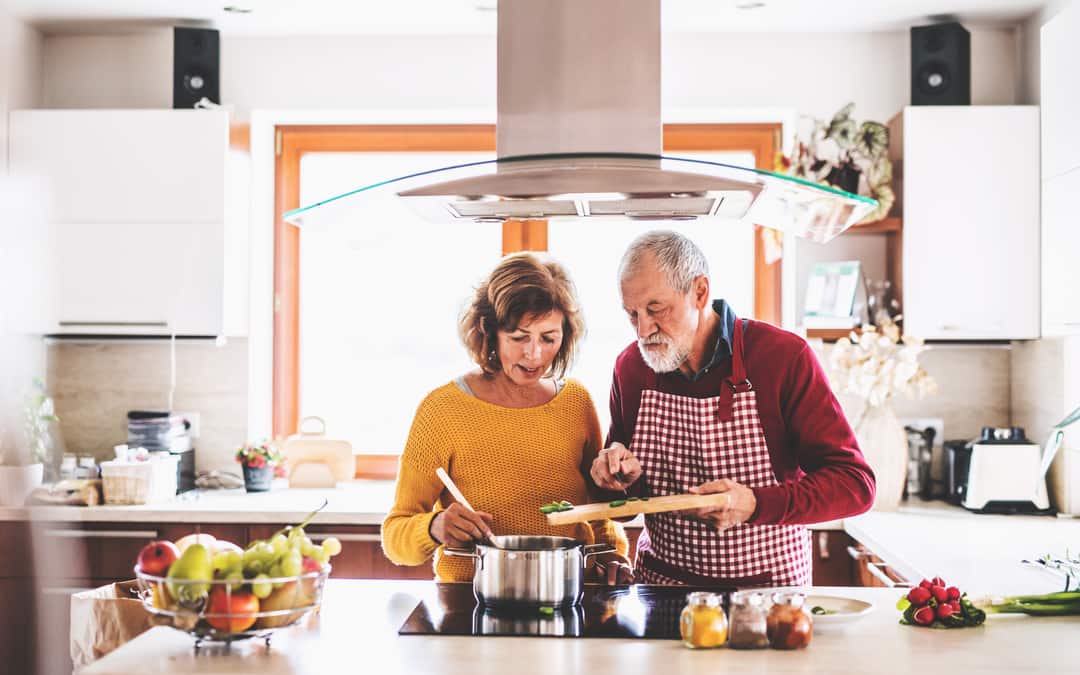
[(23, 460), (261, 462)]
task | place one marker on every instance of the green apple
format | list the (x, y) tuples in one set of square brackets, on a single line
[(188, 578)]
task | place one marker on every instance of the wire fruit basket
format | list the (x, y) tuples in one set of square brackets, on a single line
[(227, 610)]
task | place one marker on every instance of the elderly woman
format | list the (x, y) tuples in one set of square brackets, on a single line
[(512, 434)]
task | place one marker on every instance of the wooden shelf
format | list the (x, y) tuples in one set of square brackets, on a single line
[(891, 224)]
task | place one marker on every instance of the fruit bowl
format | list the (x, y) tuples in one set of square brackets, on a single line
[(226, 610)]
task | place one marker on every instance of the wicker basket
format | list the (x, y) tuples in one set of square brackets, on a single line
[(140, 482)]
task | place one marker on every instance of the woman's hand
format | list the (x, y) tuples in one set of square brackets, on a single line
[(459, 527), (613, 570)]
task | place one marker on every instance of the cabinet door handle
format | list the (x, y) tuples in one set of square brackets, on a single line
[(345, 536), (102, 534), (115, 324), (855, 553), (823, 545), (878, 572)]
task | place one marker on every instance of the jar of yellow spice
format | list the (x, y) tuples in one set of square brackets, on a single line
[(703, 624)]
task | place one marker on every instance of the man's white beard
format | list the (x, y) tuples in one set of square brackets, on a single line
[(662, 362)]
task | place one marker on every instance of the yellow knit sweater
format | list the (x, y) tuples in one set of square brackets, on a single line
[(506, 461)]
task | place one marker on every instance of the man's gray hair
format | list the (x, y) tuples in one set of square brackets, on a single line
[(679, 259)]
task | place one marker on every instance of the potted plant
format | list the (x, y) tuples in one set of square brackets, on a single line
[(876, 364), (261, 462), (844, 154), (22, 466)]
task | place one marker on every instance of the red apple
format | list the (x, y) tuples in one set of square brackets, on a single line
[(240, 608), (155, 557), (311, 565)]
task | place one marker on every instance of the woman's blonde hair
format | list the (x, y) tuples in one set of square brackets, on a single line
[(521, 284)]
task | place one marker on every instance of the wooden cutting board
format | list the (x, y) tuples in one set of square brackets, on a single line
[(604, 510)]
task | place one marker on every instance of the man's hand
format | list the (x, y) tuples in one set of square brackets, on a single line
[(738, 510), (613, 570), (615, 468), (458, 527)]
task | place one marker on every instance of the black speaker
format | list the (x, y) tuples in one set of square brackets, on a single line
[(940, 65), (196, 65)]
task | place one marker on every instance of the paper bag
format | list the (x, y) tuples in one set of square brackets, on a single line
[(105, 618)]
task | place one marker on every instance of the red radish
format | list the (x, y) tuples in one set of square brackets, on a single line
[(918, 595), (955, 604), (937, 581), (944, 611), (925, 584), (953, 593), (939, 593), (924, 615)]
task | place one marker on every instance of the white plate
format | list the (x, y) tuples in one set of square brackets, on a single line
[(847, 610)]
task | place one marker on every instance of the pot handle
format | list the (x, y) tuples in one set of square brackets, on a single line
[(465, 553), (596, 549)]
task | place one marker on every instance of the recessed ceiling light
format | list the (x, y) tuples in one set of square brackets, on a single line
[(749, 4), (239, 8)]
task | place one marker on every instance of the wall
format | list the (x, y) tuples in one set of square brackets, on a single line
[(1028, 86), (96, 385), (23, 234), (812, 73)]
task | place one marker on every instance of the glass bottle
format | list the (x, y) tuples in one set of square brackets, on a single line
[(789, 625), (748, 625), (703, 624)]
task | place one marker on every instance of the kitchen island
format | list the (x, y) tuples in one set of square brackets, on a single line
[(357, 632)]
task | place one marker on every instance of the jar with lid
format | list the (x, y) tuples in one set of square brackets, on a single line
[(748, 621), (703, 623), (68, 464), (789, 625)]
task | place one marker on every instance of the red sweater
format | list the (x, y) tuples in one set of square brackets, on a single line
[(815, 457)]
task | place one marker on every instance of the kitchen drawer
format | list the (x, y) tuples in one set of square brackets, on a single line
[(832, 564), (361, 554), (16, 552), (108, 551), (871, 570)]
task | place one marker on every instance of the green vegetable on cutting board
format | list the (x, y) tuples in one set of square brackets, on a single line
[(617, 502)]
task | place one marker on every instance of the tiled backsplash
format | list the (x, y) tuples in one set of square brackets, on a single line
[(95, 384)]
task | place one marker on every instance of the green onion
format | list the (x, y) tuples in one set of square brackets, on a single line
[(1065, 603), (617, 502)]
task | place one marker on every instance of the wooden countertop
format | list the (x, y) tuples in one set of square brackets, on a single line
[(357, 632)]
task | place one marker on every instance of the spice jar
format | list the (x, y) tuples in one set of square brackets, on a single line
[(748, 629), (789, 625), (703, 624)]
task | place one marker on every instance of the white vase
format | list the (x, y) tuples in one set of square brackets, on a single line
[(884, 444), (17, 482)]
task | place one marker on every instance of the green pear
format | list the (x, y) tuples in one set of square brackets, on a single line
[(193, 565)]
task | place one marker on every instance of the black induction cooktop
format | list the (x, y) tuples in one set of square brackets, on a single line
[(605, 611)]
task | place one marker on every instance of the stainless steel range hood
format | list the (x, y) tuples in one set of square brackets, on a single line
[(578, 135)]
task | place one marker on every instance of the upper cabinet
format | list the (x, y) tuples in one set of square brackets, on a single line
[(1060, 86), (1059, 56), (970, 207), (137, 199)]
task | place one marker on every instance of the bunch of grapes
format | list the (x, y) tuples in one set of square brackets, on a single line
[(266, 563)]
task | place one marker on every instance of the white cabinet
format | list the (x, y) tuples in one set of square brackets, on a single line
[(971, 222), (1061, 255), (1060, 87), (138, 203), (1059, 57)]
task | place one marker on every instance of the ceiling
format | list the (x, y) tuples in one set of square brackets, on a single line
[(447, 17)]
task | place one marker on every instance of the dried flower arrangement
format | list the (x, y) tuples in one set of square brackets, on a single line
[(879, 363)]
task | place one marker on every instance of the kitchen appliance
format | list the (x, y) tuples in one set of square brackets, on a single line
[(1004, 474), (578, 134), (648, 612), (164, 431), (920, 457), (957, 460), (529, 571)]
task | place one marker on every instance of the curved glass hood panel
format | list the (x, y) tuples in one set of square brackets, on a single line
[(583, 185)]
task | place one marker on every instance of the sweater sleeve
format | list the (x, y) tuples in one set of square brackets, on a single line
[(406, 535), (837, 482), (604, 531)]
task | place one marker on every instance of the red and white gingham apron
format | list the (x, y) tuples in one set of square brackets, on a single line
[(683, 442)]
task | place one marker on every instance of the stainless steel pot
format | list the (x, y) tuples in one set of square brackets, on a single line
[(565, 622), (530, 571)]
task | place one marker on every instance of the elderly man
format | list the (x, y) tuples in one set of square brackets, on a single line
[(705, 402)]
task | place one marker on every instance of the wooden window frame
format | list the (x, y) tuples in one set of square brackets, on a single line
[(292, 142)]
